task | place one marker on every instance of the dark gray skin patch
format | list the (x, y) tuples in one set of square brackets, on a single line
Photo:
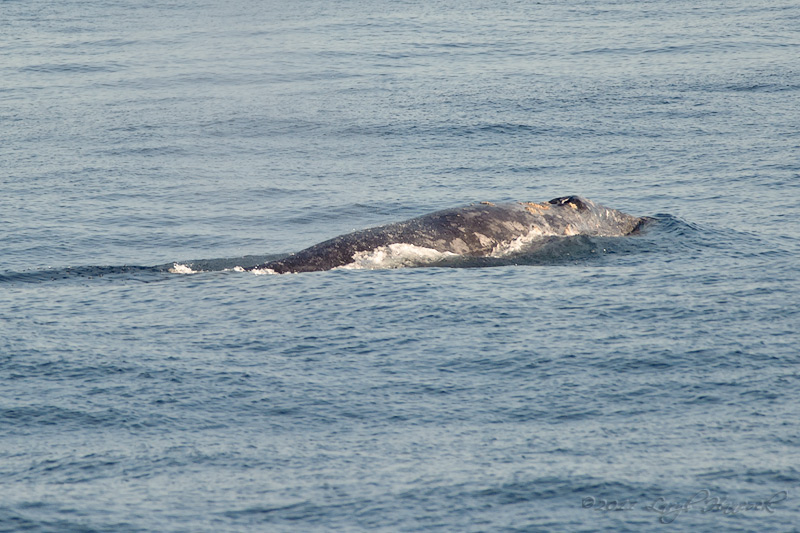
[(474, 231)]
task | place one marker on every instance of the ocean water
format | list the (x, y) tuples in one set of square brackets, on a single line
[(644, 383)]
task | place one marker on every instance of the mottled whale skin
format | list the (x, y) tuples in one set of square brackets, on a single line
[(476, 230)]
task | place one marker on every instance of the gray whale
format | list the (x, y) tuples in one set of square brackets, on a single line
[(477, 230)]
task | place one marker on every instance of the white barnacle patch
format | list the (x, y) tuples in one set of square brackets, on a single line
[(484, 240), (513, 226), (459, 246)]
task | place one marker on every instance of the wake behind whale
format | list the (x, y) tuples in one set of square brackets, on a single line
[(484, 230)]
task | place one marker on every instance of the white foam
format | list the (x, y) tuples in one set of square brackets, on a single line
[(397, 255), (520, 243), (255, 271), (258, 271), (178, 268)]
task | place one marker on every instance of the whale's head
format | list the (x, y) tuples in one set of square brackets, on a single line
[(591, 218)]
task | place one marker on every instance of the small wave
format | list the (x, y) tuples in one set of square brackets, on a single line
[(143, 273), (78, 68)]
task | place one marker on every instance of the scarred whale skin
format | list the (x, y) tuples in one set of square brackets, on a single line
[(476, 230)]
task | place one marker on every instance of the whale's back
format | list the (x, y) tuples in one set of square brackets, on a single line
[(477, 230)]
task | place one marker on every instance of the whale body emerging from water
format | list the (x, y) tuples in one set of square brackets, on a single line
[(478, 230)]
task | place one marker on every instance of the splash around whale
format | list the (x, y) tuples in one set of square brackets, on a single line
[(478, 230)]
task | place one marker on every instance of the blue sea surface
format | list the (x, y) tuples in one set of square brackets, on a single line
[(642, 383)]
